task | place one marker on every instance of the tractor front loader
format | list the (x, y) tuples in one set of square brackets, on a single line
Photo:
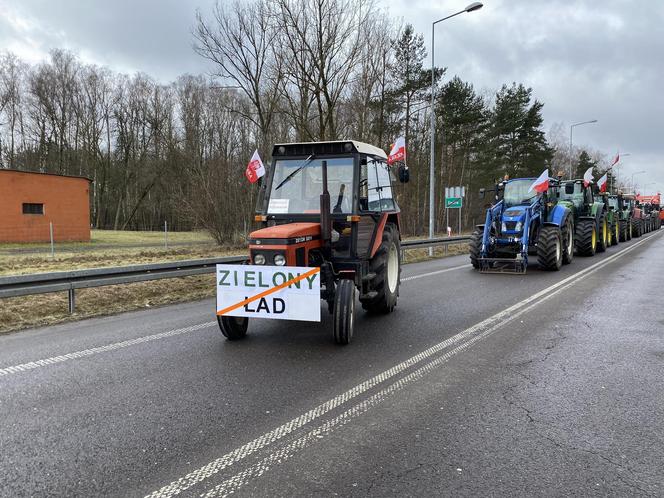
[(521, 223)]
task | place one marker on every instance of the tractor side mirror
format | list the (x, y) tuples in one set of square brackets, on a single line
[(404, 173), (482, 193)]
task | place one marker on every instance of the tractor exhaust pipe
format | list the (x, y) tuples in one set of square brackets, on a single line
[(325, 220)]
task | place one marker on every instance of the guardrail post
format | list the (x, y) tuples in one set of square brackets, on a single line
[(72, 300)]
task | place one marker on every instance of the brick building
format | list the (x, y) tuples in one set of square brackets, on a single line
[(30, 202)]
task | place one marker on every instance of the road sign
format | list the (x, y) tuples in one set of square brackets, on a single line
[(453, 202), (281, 292)]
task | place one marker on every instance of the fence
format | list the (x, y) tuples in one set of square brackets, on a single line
[(69, 281)]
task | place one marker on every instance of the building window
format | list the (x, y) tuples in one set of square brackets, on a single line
[(30, 208)]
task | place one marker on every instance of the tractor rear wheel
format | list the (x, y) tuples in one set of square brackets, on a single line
[(586, 238), (550, 248), (233, 327), (343, 316), (623, 231), (386, 266), (636, 228), (630, 228), (474, 248), (602, 233), (568, 240), (615, 234)]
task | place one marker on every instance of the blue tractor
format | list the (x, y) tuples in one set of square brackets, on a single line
[(520, 223)]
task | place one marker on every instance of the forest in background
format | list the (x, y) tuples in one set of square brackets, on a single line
[(284, 71)]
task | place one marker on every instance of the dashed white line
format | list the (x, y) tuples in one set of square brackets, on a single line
[(100, 349), (473, 334)]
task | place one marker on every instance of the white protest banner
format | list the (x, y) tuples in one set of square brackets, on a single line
[(281, 292)]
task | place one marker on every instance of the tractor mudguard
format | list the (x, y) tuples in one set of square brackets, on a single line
[(557, 216)]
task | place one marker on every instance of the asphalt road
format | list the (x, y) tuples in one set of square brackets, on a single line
[(501, 385)]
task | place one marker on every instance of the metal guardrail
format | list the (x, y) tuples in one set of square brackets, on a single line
[(69, 281)]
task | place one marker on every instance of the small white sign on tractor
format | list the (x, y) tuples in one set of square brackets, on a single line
[(280, 292)]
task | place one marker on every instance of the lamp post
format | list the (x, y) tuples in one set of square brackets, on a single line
[(432, 177), (632, 183), (571, 158)]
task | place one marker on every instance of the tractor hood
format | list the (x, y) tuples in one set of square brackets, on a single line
[(514, 214), (288, 233)]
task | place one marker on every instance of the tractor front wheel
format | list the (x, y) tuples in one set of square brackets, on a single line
[(602, 234), (623, 231), (233, 327), (630, 228), (636, 228), (343, 316), (474, 247), (386, 267), (550, 248), (616, 233), (586, 238)]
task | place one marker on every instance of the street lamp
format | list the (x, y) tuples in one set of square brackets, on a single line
[(571, 158), (432, 217), (632, 183)]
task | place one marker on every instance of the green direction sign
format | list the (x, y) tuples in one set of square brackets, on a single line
[(453, 202)]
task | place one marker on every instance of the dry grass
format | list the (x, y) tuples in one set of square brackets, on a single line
[(47, 309)]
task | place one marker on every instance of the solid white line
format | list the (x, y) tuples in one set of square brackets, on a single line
[(101, 349), (474, 333)]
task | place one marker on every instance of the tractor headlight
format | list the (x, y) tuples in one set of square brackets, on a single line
[(503, 227), (518, 226), (259, 259), (279, 260)]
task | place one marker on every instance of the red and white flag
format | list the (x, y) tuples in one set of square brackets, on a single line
[(255, 168), (398, 152), (601, 183), (588, 177), (615, 160), (542, 183)]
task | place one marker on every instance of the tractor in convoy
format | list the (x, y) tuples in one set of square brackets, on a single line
[(651, 206), (523, 222), (621, 206), (331, 205), (639, 226), (589, 215), (612, 216)]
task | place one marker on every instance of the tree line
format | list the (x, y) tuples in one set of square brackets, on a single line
[(285, 70)]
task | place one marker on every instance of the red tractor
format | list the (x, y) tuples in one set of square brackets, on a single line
[(652, 208), (331, 205)]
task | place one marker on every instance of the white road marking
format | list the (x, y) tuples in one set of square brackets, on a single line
[(101, 349), (437, 272), (473, 334)]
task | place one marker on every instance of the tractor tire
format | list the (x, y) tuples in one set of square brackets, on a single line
[(586, 238), (623, 231), (343, 315), (550, 248), (636, 228), (615, 233), (233, 327), (474, 248), (630, 228), (386, 265), (602, 233), (568, 240)]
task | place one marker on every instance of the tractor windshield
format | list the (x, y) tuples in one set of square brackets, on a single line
[(574, 192), (613, 202), (301, 193), (517, 193)]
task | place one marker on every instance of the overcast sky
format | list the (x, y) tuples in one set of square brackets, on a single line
[(585, 59)]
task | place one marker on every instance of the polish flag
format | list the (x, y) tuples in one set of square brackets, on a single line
[(255, 168), (601, 183), (398, 152), (588, 177), (615, 160), (542, 183)]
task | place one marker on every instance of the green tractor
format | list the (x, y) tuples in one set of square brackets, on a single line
[(612, 216), (621, 205), (590, 217)]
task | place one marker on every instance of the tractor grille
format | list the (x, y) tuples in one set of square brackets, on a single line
[(510, 225)]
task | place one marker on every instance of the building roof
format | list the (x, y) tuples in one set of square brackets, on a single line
[(44, 173)]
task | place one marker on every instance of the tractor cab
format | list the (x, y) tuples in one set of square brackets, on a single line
[(576, 193), (331, 205)]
